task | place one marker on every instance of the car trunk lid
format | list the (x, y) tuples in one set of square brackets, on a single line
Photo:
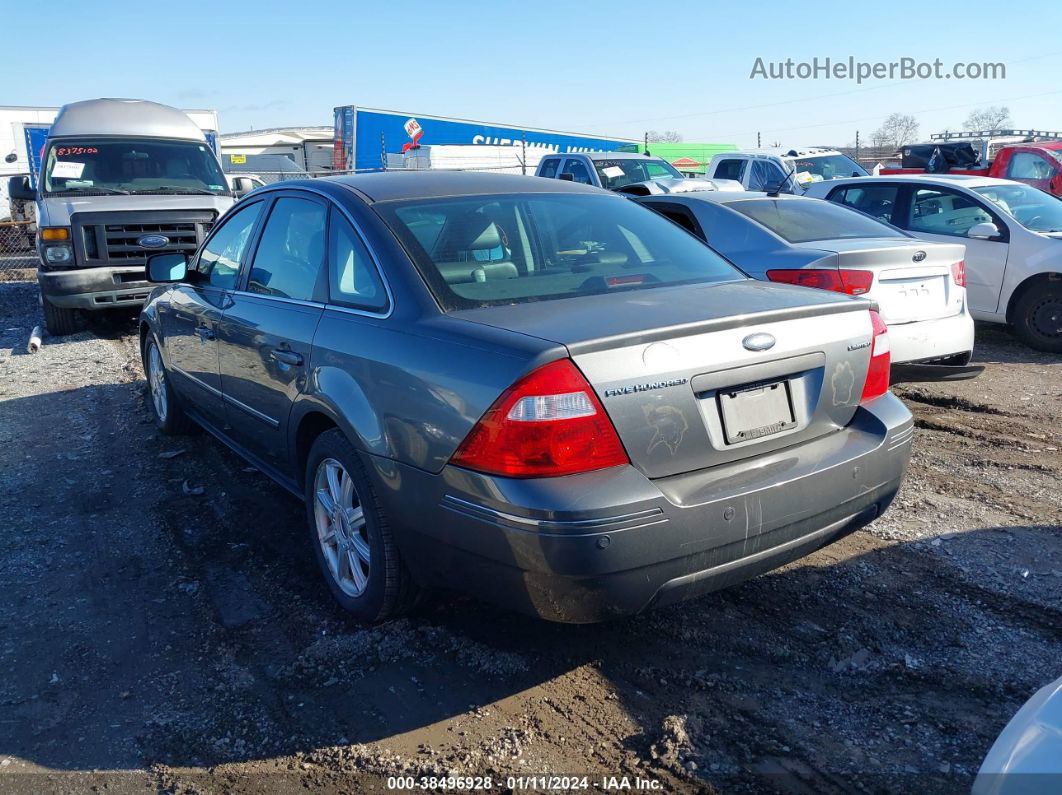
[(687, 376), (912, 279)]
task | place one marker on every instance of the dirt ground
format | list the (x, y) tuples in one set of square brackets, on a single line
[(155, 640)]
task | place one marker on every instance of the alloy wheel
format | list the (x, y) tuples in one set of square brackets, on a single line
[(341, 529), (157, 382)]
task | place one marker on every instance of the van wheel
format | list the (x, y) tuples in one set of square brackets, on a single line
[(351, 537), (1038, 317), (59, 320), (165, 406)]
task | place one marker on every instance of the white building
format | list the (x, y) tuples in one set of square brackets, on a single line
[(310, 148)]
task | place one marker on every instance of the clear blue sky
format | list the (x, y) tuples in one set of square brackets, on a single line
[(613, 68)]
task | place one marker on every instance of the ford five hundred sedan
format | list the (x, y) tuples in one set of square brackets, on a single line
[(531, 390)]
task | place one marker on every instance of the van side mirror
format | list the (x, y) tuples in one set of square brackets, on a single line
[(984, 231), (567, 176), (19, 188), (167, 268)]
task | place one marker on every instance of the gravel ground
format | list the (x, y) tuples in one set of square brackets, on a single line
[(155, 640)]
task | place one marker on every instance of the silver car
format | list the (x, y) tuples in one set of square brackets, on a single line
[(919, 286), (531, 390)]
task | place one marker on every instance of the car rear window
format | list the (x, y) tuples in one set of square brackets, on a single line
[(804, 220), (507, 249)]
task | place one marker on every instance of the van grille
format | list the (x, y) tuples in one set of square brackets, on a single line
[(111, 238), (122, 246)]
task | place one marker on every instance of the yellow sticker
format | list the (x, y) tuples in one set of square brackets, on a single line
[(238, 159)]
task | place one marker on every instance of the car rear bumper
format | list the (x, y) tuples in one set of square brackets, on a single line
[(99, 287), (932, 339), (608, 543)]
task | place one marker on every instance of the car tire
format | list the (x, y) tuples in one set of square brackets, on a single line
[(1037, 316), (351, 537), (165, 406), (59, 320)]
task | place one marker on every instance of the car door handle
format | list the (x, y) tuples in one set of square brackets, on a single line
[(205, 333), (286, 357)]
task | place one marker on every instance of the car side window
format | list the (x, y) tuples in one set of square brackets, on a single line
[(578, 170), (877, 201), (288, 261), (734, 168), (352, 275), (943, 212), (549, 168), (219, 262), (765, 174), (1027, 165)]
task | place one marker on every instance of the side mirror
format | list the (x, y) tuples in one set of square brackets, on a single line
[(984, 231), (167, 268), (567, 176), (19, 188), (241, 186)]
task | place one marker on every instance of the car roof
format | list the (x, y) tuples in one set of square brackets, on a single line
[(782, 151), (382, 186), (961, 180), (728, 197)]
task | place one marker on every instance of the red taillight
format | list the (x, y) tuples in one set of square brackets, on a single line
[(958, 272), (877, 383), (548, 423), (850, 282)]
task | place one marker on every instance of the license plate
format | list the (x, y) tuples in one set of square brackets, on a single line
[(756, 411)]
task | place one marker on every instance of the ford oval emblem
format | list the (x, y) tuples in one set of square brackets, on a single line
[(919, 256), (153, 241), (758, 342)]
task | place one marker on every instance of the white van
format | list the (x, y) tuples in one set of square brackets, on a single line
[(120, 179)]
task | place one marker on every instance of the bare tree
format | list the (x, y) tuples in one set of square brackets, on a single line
[(665, 137), (896, 131), (994, 117)]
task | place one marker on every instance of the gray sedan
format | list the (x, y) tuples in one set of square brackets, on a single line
[(534, 391)]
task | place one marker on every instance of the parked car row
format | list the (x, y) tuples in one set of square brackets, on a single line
[(1004, 240)]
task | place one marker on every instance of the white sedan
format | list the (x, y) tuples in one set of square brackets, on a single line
[(1012, 232)]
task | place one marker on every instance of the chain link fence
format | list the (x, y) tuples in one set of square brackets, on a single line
[(18, 230)]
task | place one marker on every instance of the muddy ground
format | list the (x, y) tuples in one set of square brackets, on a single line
[(153, 640)]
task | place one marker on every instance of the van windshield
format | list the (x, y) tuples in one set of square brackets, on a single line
[(509, 249), (105, 166)]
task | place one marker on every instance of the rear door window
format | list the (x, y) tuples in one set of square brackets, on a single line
[(877, 201)]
